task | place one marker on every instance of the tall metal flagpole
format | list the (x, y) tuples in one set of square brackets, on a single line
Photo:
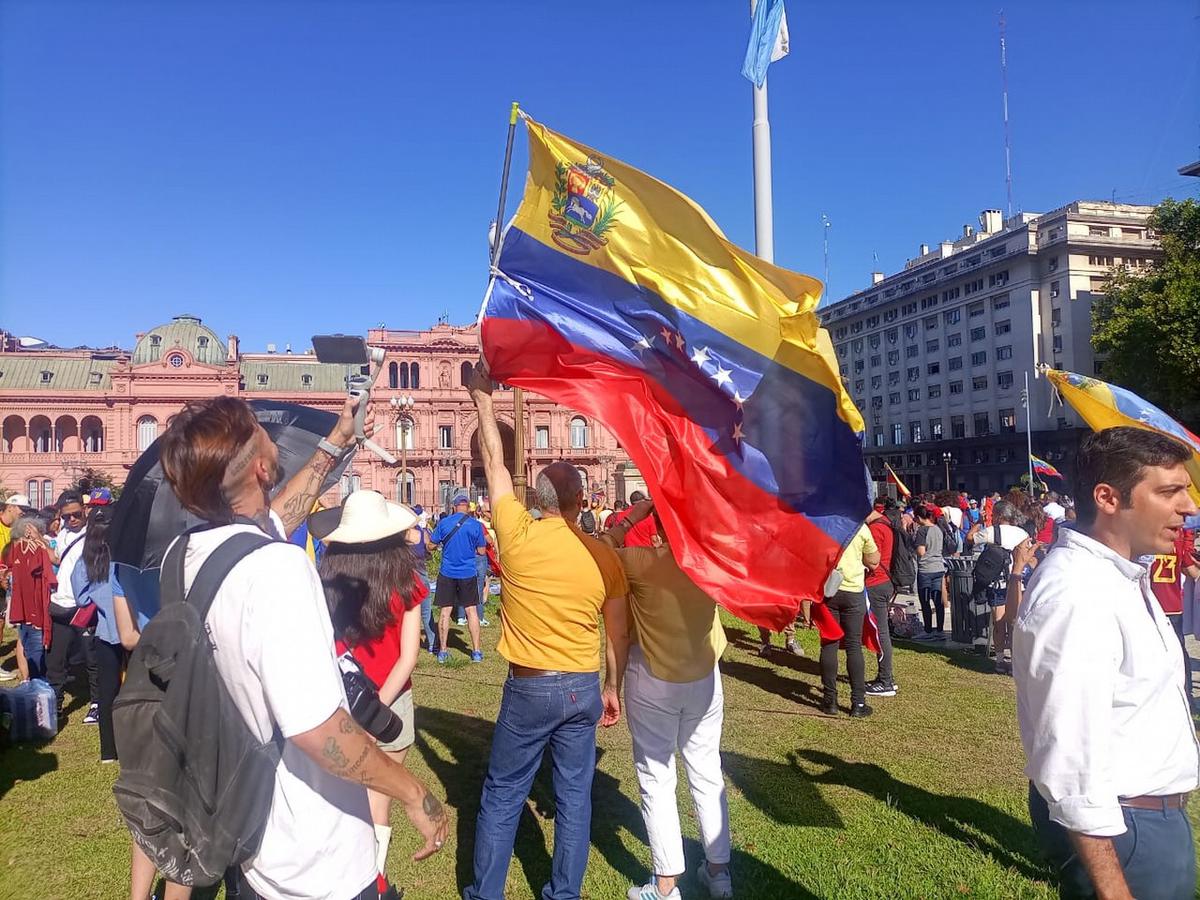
[(518, 394), (764, 217), (1029, 430)]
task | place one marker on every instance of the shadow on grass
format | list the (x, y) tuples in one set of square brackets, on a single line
[(964, 658), (781, 791), (469, 741), (25, 762), (977, 825), (795, 689)]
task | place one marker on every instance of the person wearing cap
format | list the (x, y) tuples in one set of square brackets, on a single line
[(556, 583), (374, 590), (463, 541), (71, 642), (10, 510)]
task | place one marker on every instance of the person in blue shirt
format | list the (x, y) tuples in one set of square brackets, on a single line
[(462, 539), (95, 586)]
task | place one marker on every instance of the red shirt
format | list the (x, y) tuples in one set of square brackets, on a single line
[(1166, 571), (379, 656), (33, 581), (640, 535), (881, 530)]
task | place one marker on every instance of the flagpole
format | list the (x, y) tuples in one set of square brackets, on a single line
[(518, 394), (1029, 430), (764, 217)]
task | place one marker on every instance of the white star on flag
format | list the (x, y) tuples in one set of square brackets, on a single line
[(738, 399), (678, 341), (738, 434), (666, 333), (721, 376), (700, 356), (641, 343)]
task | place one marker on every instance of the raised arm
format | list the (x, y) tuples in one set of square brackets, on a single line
[(295, 502), (343, 749), (491, 448)]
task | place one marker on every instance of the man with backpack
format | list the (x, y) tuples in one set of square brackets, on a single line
[(992, 571), (265, 767)]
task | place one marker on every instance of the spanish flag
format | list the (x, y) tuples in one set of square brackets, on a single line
[(1103, 405), (893, 478), (618, 296)]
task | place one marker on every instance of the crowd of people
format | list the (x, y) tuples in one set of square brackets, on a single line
[(288, 631)]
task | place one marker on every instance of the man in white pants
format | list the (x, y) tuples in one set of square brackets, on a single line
[(674, 702)]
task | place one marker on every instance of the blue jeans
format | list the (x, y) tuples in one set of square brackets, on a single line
[(1156, 852), (481, 574), (35, 651), (559, 711), (929, 592), (427, 617)]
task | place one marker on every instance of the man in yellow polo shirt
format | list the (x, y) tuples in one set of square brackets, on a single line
[(556, 583), (849, 607), (674, 703)]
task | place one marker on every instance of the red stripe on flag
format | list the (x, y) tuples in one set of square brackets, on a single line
[(740, 544)]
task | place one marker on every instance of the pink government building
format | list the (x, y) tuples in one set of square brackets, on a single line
[(65, 411)]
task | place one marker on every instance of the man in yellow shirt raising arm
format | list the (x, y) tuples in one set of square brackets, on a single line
[(556, 583)]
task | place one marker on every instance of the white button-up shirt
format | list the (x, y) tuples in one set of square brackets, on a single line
[(1101, 700)]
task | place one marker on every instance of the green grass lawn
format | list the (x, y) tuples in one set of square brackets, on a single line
[(924, 799)]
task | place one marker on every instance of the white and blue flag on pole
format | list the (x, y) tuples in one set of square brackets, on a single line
[(768, 40)]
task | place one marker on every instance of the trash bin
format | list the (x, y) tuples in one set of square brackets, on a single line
[(970, 616)]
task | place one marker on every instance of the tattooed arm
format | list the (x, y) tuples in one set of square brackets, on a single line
[(295, 502), (343, 749)]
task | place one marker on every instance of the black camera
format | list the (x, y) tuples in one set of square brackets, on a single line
[(375, 718)]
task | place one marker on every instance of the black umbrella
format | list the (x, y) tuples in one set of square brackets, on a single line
[(148, 516)]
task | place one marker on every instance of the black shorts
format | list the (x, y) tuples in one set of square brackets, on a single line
[(461, 592)]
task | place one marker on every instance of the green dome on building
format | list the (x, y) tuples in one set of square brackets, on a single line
[(187, 333)]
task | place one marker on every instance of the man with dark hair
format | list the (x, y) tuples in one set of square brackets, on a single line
[(641, 533), (70, 644), (273, 644), (557, 582), (1104, 715)]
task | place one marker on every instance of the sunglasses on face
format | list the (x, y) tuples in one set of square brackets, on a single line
[(73, 515)]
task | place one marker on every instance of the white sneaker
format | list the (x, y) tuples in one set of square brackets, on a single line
[(649, 891), (719, 886)]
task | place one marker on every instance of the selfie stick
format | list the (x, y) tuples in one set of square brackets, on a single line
[(360, 386)]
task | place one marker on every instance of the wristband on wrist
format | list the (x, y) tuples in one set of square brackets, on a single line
[(332, 449)]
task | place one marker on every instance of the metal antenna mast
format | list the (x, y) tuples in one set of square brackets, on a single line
[(1007, 143)]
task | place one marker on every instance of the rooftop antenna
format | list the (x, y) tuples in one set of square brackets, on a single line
[(1007, 142)]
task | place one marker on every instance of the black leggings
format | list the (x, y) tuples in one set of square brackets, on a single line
[(849, 609), (110, 663)]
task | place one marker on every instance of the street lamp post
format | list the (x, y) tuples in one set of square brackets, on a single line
[(403, 406), (947, 458)]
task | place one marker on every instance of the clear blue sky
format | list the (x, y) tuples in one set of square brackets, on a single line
[(285, 168)]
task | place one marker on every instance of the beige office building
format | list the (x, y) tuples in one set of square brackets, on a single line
[(936, 355)]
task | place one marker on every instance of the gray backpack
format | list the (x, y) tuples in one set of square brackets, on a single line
[(196, 784)]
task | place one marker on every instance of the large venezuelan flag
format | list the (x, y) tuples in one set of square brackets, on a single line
[(1103, 405), (618, 296)]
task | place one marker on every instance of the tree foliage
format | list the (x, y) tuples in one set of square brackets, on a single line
[(1148, 322), (88, 479)]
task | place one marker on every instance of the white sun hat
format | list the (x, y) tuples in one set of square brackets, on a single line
[(363, 517)]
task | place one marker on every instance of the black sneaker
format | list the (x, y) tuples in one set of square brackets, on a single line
[(879, 689), (829, 709), (93, 715), (861, 711), (765, 650)]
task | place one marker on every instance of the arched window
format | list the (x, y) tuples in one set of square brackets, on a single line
[(405, 430), (414, 376), (93, 435), (405, 488), (147, 432), (579, 433), (40, 435), (155, 347), (465, 373), (202, 349), (14, 431), (47, 492), (350, 484), (403, 375), (32, 489), (393, 375)]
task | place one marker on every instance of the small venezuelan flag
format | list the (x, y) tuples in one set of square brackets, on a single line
[(1043, 468), (618, 296), (1103, 405)]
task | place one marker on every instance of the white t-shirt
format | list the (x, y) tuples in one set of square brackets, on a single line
[(64, 596), (273, 644), (1055, 511), (954, 514), (1010, 537)]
